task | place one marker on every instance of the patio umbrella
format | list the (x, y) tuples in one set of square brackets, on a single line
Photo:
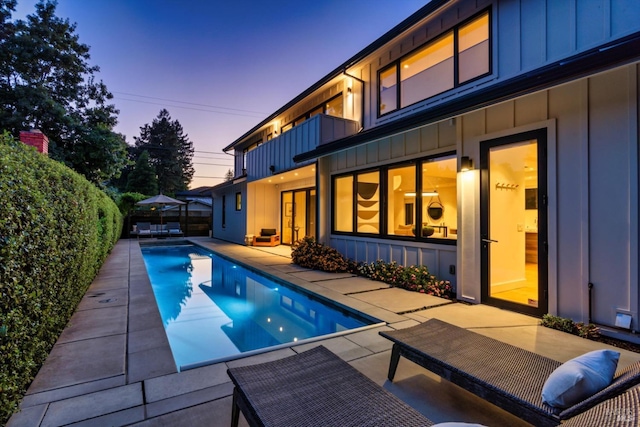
[(160, 201)]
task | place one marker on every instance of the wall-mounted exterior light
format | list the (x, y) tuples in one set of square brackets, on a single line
[(466, 164)]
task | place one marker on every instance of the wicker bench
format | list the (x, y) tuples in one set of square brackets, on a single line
[(505, 375), (315, 388), (621, 411)]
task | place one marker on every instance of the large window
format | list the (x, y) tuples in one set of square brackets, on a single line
[(401, 201), (419, 200), (368, 219), (343, 204), (437, 66), (439, 198), (388, 89)]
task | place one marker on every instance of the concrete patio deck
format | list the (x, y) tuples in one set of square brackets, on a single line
[(112, 365)]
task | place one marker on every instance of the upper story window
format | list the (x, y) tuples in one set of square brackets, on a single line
[(456, 57), (333, 107)]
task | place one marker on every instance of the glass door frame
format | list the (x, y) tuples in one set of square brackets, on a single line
[(292, 212), (540, 136)]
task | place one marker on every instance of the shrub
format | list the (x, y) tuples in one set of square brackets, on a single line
[(311, 254), (56, 229), (413, 278), (567, 325)]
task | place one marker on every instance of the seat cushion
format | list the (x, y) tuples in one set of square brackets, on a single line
[(268, 232), (579, 378)]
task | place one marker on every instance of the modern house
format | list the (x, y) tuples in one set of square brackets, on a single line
[(494, 141)]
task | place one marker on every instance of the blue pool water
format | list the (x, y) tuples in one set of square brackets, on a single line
[(214, 310)]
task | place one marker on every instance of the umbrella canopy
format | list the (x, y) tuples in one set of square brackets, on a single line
[(160, 200)]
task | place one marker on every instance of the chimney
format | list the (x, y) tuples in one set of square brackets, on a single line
[(37, 139)]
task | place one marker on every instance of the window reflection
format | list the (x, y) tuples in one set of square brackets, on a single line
[(439, 198), (368, 220), (401, 201)]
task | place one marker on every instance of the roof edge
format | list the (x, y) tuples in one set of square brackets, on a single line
[(601, 58), (420, 14)]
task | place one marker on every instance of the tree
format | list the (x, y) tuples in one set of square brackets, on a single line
[(170, 152), (229, 175), (142, 179), (46, 83)]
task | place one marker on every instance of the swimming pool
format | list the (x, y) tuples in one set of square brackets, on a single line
[(215, 310)]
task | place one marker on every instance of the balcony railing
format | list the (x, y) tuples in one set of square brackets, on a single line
[(308, 135)]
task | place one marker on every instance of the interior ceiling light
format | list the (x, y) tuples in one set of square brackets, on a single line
[(424, 194)]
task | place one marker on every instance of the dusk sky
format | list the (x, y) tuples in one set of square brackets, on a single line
[(219, 67)]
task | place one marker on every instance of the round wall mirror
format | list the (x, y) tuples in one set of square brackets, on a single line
[(435, 210)]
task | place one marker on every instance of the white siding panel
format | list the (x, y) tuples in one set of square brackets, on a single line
[(280, 151), (508, 43), (569, 104), (447, 134), (361, 155), (397, 146), (531, 109), (624, 17), (561, 28), (384, 252), (361, 249), (411, 256), (372, 152), (533, 27), (397, 254), (412, 142), (593, 22), (609, 180), (384, 149), (499, 117), (446, 259), (372, 251), (429, 257), (429, 138)]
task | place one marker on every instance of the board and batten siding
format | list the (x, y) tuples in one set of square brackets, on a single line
[(428, 140)]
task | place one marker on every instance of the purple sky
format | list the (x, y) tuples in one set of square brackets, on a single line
[(219, 66)]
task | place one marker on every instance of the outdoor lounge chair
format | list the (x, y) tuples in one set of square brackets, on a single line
[(507, 376), (267, 237), (143, 229), (315, 388), (621, 411), (174, 229)]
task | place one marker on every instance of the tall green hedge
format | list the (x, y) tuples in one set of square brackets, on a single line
[(56, 229)]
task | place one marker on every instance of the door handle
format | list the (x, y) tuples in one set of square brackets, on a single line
[(489, 241)]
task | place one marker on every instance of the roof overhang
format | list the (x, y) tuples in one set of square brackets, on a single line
[(405, 25), (616, 53)]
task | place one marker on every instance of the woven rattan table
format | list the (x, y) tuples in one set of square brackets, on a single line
[(315, 388)]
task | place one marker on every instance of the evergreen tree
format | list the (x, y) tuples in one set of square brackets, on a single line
[(142, 179), (46, 83), (229, 175), (170, 152)]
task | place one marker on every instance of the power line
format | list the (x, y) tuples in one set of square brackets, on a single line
[(188, 108), (211, 158), (212, 152), (192, 103), (209, 164)]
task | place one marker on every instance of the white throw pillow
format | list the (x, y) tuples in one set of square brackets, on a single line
[(579, 378)]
